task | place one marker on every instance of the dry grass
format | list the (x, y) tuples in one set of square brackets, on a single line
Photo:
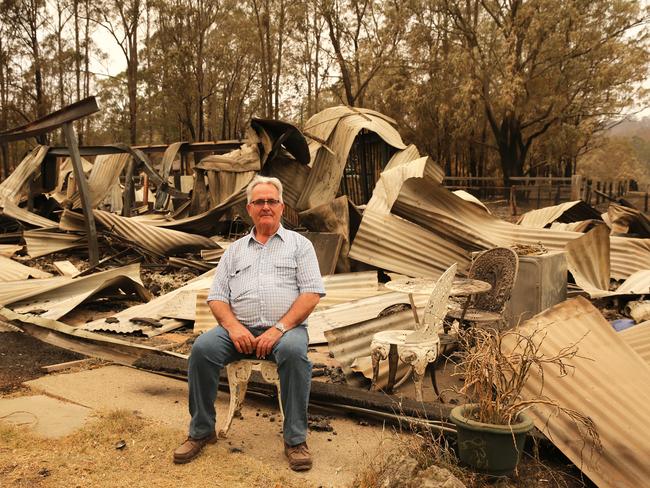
[(89, 458)]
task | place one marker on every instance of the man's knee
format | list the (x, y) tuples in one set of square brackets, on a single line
[(292, 349)]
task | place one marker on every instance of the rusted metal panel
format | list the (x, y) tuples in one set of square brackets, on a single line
[(392, 243), (607, 381), (156, 239), (564, 212), (16, 185), (327, 169), (40, 243), (104, 173), (11, 270), (431, 206), (58, 296)]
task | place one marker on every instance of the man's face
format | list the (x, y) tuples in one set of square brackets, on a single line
[(265, 216)]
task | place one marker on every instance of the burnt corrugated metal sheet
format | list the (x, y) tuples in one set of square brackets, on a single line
[(345, 287), (588, 260), (16, 185), (105, 172), (355, 312), (172, 308), (626, 220), (392, 243), (40, 243), (350, 344), (327, 169), (424, 202), (564, 212), (56, 297), (607, 382), (159, 240), (12, 210), (638, 338), (11, 270), (8, 250)]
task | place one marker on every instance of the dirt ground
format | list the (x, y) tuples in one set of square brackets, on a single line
[(22, 357)]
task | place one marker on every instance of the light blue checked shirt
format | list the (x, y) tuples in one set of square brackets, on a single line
[(261, 281)]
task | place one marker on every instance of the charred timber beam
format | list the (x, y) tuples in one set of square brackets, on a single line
[(84, 194)]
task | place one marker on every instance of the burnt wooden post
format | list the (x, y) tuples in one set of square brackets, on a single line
[(128, 196), (84, 193)]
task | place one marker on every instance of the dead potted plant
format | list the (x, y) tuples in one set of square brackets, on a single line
[(493, 424)]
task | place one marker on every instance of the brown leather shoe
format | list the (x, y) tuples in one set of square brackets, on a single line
[(299, 456), (191, 448)]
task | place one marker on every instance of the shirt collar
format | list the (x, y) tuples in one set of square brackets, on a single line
[(281, 233)]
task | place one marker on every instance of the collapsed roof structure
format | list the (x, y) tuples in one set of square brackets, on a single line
[(366, 200)]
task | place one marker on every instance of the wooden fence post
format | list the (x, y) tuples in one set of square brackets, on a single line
[(576, 187)]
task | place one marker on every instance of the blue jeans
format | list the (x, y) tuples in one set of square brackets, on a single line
[(214, 349)]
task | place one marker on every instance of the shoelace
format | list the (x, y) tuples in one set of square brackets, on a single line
[(301, 449)]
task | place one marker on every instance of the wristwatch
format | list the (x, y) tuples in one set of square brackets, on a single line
[(281, 327)]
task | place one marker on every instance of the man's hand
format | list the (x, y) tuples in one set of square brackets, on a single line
[(244, 341), (266, 341)]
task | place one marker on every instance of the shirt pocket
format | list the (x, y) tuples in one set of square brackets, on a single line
[(286, 271), (241, 280)]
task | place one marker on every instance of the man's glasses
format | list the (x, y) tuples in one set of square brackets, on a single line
[(260, 203)]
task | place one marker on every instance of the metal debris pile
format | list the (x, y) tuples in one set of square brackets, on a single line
[(160, 218)]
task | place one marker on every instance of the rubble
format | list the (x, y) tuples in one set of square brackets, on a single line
[(155, 261)]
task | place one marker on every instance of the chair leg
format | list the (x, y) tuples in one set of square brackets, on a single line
[(376, 357), (419, 370), (269, 372), (393, 359), (238, 375), (432, 372)]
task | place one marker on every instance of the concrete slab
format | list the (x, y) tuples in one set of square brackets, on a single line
[(337, 457), (47, 416)]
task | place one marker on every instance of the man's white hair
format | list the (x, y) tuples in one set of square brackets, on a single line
[(263, 180)]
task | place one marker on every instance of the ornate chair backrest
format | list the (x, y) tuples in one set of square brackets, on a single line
[(436, 308), (498, 267)]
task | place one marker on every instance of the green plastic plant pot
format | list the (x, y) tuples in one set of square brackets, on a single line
[(489, 448)]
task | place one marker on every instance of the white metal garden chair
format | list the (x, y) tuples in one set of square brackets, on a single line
[(418, 347)]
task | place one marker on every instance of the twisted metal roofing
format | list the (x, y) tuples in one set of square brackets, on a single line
[(104, 173), (392, 243), (339, 126), (159, 240), (40, 243), (607, 381), (429, 205), (11, 270), (565, 212)]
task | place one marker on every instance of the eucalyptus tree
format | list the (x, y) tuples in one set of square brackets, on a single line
[(540, 64)]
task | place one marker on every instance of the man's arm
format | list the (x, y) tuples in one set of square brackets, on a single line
[(296, 315), (241, 337)]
